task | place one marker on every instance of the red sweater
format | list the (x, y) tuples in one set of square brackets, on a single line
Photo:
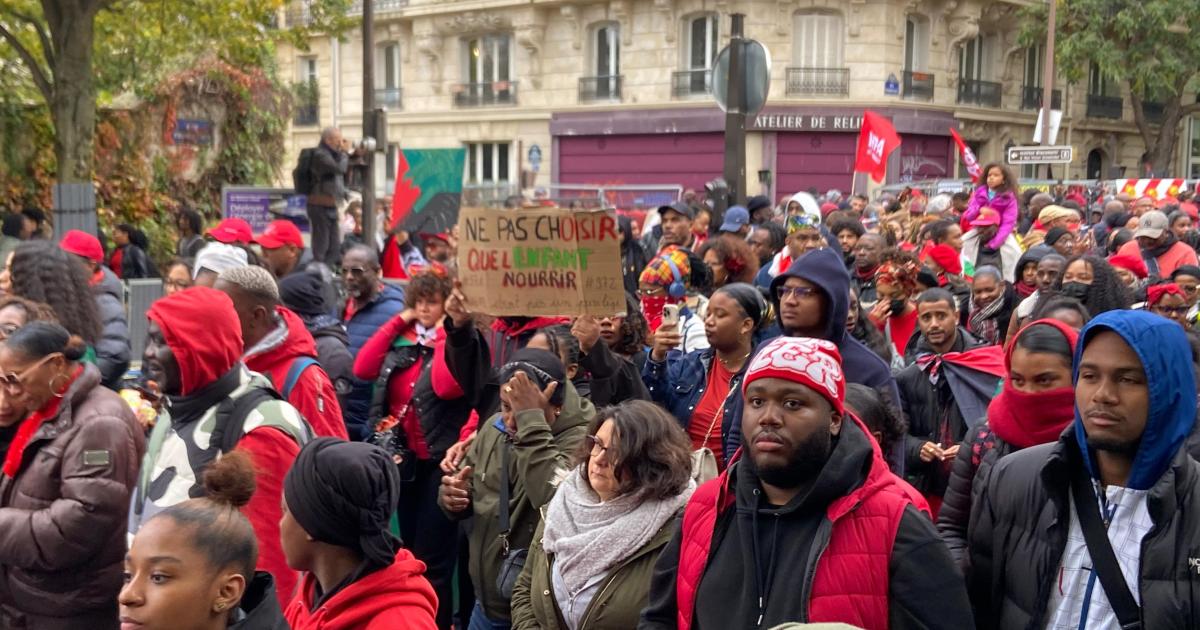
[(1175, 257), (313, 395)]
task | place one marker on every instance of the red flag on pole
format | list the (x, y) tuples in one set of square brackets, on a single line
[(968, 156), (876, 140)]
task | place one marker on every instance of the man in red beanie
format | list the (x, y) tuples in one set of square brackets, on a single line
[(944, 262), (809, 524), (1129, 268), (214, 404), (112, 349)]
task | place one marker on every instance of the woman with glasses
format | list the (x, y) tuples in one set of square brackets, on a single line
[(16, 312), (1168, 300), (177, 276), (71, 455), (593, 553), (665, 282), (694, 386)]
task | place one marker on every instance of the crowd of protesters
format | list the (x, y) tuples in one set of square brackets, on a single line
[(971, 410)]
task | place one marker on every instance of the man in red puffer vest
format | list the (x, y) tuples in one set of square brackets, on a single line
[(809, 526)]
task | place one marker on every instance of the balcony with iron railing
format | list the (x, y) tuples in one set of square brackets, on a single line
[(306, 115), (818, 81), (388, 98), (918, 86), (485, 94), (1100, 106), (685, 83), (978, 92), (601, 88), (1154, 112), (299, 13), (1031, 97)]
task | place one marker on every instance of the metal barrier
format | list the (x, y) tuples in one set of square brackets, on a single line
[(139, 295)]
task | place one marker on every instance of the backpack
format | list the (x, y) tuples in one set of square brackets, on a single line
[(298, 366), (232, 414), (302, 177)]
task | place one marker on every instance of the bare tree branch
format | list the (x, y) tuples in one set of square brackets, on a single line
[(1187, 110), (39, 74)]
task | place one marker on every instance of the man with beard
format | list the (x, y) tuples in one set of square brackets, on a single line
[(868, 252), (1100, 529), (808, 525), (370, 304), (1157, 245), (765, 240)]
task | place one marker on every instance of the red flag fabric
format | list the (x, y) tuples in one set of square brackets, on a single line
[(405, 195), (968, 157), (876, 140)]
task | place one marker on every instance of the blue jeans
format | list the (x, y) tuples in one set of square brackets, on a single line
[(479, 621)]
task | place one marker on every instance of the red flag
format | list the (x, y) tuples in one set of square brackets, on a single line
[(405, 195), (968, 156), (876, 140)]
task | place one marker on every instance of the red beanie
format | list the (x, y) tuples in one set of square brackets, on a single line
[(814, 363), (946, 258), (1130, 263)]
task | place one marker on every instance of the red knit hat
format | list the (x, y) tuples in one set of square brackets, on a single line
[(814, 363), (83, 244), (946, 258), (1130, 263)]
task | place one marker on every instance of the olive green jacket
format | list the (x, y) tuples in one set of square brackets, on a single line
[(540, 456), (617, 604)]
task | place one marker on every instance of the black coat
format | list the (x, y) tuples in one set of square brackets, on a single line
[(977, 456), (1018, 543)]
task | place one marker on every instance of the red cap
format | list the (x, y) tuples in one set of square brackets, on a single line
[(233, 230), (1190, 209), (987, 216), (280, 232), (814, 363), (1129, 262), (827, 208), (946, 258), (441, 236), (83, 244)]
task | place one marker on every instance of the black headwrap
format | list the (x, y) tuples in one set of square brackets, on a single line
[(541, 366), (303, 293), (750, 299), (343, 493)]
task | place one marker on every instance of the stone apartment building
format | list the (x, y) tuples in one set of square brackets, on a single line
[(619, 91)]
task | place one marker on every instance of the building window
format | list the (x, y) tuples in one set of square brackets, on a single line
[(306, 94), (975, 62), (1035, 58), (699, 53), (817, 40), (1194, 153), (602, 81), (1104, 97), (387, 75), (390, 164), (916, 43), (1099, 84), (307, 70), (487, 72), (488, 163)]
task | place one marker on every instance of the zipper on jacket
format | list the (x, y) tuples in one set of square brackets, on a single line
[(612, 577), (820, 544)]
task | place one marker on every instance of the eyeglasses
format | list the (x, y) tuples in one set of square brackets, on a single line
[(357, 272), (782, 293), (1167, 311), (13, 383), (6, 330), (595, 446), (652, 291), (177, 284)]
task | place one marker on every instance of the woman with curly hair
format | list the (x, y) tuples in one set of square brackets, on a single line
[(1092, 281), (43, 272), (730, 260), (895, 313)]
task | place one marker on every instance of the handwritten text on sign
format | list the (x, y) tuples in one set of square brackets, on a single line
[(541, 262)]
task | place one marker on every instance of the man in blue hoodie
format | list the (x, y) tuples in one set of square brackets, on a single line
[(1102, 528), (812, 299)]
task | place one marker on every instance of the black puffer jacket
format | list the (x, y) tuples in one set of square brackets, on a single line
[(112, 348), (968, 477), (1023, 518)]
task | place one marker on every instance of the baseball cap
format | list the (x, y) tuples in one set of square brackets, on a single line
[(232, 230), (1152, 225), (680, 207), (83, 244), (986, 217), (736, 218), (441, 236), (280, 232)]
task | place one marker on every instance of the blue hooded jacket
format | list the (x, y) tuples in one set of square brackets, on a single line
[(825, 269), (1166, 358)]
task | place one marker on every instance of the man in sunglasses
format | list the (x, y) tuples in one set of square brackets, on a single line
[(812, 299), (369, 304)]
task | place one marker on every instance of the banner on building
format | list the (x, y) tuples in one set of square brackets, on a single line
[(544, 262), (876, 140), (968, 157), (428, 190)]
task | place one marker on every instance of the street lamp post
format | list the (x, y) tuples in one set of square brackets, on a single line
[(368, 126)]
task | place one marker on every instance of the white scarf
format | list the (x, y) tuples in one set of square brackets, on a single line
[(588, 537)]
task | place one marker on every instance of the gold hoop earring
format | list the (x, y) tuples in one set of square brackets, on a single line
[(66, 383)]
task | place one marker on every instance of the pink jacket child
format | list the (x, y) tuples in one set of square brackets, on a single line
[(1004, 203)]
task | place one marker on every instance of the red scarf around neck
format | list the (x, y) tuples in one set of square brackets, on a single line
[(29, 426), (1023, 419)]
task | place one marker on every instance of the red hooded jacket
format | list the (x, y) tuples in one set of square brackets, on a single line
[(313, 394), (202, 329), (396, 597)]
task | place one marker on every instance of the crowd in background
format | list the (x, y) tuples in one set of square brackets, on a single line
[(910, 411)]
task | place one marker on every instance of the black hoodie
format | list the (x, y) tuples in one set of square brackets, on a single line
[(760, 549), (824, 268)]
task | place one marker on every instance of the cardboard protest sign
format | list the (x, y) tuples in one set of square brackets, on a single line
[(540, 262)]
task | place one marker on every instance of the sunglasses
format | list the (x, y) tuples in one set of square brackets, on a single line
[(357, 272)]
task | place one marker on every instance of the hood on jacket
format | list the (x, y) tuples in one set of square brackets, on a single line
[(259, 607), (335, 330), (398, 591), (808, 203), (1162, 347), (289, 340), (825, 269), (1033, 255), (203, 331), (110, 284)]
